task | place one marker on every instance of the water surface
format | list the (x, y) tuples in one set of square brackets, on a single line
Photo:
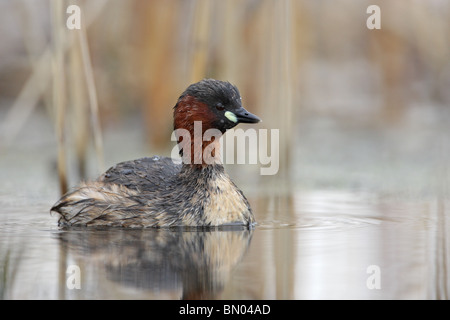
[(364, 217)]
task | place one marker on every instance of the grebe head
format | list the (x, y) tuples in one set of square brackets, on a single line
[(217, 104)]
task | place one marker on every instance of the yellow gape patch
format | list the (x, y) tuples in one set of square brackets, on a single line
[(231, 116)]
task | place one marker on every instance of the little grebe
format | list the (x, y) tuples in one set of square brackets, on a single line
[(157, 191)]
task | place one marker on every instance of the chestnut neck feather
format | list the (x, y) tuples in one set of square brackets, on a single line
[(195, 151)]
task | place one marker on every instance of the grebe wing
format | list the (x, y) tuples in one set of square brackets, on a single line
[(145, 174)]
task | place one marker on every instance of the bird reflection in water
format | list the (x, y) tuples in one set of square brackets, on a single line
[(196, 263)]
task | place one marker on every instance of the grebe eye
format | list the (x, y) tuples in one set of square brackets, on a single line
[(220, 107)]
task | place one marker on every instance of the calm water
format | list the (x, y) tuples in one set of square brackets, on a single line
[(366, 218)]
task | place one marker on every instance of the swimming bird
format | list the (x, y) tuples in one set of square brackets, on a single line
[(161, 192)]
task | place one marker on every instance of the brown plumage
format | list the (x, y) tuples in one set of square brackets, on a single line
[(157, 191)]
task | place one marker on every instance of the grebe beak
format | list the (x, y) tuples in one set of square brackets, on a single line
[(243, 116)]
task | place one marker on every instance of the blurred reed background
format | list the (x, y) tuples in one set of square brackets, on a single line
[(292, 60)]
